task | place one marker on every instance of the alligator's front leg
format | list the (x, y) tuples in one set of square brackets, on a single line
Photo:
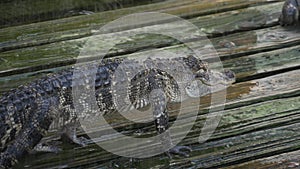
[(161, 120), (70, 132), (71, 122)]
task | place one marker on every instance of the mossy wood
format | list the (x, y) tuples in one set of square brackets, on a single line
[(18, 12), (260, 124), (83, 26)]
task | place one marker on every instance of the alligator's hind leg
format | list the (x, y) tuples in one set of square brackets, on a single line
[(69, 131), (45, 147), (70, 120), (161, 120), (28, 137), (24, 142)]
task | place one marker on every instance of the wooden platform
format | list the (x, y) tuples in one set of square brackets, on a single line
[(260, 125)]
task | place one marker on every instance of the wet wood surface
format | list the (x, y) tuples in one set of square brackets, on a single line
[(82, 26), (259, 127), (20, 12)]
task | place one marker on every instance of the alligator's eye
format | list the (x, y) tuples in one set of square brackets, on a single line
[(202, 75)]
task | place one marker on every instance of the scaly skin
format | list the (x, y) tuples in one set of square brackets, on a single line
[(26, 113)]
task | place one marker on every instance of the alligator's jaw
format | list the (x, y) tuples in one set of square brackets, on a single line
[(215, 81)]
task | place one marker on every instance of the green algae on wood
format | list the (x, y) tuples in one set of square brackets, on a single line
[(82, 26), (69, 50), (285, 160), (17, 12), (262, 64), (261, 117), (248, 66)]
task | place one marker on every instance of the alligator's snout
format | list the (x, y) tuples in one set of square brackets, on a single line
[(212, 78), (207, 82)]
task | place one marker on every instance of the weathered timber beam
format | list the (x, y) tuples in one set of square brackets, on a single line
[(284, 160), (83, 26), (65, 53), (18, 12), (246, 67)]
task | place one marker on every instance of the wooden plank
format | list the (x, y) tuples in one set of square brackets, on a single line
[(281, 161), (244, 133), (243, 94), (64, 53), (248, 66), (82, 26), (17, 12), (264, 64), (248, 146), (261, 117), (245, 87)]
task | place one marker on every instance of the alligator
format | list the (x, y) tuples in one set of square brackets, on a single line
[(290, 13), (27, 112)]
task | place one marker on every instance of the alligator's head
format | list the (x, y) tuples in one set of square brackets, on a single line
[(290, 13), (207, 81)]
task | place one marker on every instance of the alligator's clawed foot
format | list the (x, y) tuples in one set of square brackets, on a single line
[(82, 141), (46, 148), (180, 150), (70, 132)]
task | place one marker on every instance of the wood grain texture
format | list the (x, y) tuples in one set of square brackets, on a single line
[(259, 127), (83, 26), (17, 12)]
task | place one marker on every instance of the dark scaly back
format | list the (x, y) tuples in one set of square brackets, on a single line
[(14, 112), (26, 112), (17, 106)]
